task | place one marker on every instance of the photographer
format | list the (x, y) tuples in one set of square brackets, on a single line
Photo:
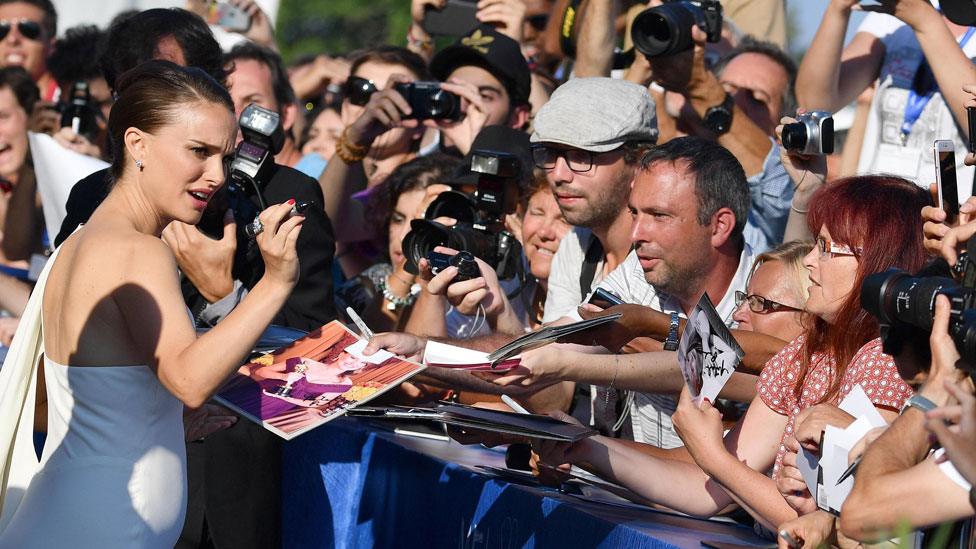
[(494, 301), (85, 94), (922, 60)]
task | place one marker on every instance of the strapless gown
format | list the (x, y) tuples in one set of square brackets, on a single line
[(113, 470)]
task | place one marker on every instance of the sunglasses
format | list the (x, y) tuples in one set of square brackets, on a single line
[(359, 90), (538, 22), (759, 304), (30, 30)]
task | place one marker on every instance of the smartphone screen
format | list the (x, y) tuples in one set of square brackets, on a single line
[(945, 177)]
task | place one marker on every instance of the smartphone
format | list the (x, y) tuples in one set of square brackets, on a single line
[(604, 299), (945, 177), (456, 18)]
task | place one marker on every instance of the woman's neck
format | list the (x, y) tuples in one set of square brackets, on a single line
[(126, 204)]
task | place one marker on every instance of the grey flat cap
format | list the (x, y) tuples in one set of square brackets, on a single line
[(596, 114)]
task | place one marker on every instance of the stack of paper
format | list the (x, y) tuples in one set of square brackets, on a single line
[(821, 475), (442, 355)]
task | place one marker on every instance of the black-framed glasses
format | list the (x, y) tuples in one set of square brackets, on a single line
[(30, 30), (759, 304), (359, 90), (578, 160)]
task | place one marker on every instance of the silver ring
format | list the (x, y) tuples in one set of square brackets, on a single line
[(254, 228)]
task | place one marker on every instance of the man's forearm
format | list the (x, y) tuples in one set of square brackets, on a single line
[(745, 140), (594, 44)]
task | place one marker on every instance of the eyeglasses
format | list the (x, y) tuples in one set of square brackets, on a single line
[(578, 160), (538, 22), (30, 30), (759, 304), (359, 90), (833, 249)]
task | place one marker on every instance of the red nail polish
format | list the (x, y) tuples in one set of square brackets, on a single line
[(291, 201)]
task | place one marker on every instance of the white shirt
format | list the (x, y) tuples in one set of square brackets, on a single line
[(563, 296)]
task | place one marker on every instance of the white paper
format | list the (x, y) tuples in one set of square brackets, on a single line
[(57, 169), (857, 404), (379, 357), (707, 352), (807, 462)]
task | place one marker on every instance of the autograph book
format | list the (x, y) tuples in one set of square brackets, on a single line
[(312, 381), (546, 335)]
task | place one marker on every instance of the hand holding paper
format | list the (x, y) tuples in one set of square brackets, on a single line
[(707, 352)]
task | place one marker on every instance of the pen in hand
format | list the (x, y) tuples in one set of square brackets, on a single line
[(514, 405), (851, 469), (364, 330)]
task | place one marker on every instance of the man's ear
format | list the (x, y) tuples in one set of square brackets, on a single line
[(723, 225), (288, 115), (520, 117)]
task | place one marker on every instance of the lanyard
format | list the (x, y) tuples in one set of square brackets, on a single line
[(916, 103)]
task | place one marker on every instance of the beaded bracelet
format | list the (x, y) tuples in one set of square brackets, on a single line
[(397, 302), (349, 152)]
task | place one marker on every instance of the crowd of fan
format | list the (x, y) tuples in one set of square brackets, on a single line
[(659, 181)]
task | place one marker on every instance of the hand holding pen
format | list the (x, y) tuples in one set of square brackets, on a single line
[(254, 228)]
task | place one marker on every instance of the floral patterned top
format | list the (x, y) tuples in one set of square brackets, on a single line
[(870, 368)]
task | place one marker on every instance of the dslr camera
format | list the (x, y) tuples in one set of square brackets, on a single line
[(666, 29), (904, 304), (812, 133), (479, 230), (78, 113), (428, 101)]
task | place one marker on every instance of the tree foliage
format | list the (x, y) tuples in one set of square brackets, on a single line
[(339, 26)]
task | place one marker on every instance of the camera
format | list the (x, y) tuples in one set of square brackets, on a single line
[(812, 133), (903, 304), (78, 113), (479, 229), (666, 29), (466, 265), (429, 101), (254, 159)]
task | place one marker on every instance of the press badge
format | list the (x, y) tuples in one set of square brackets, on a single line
[(898, 160)]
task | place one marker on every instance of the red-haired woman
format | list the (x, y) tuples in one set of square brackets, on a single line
[(863, 225)]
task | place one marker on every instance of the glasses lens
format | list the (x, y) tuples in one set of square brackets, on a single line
[(822, 244), (29, 29), (538, 22), (4, 29), (756, 304), (579, 160), (543, 158), (739, 298), (359, 90)]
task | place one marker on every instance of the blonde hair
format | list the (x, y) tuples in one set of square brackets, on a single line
[(791, 255)]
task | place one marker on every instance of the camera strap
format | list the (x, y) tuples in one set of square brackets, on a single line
[(567, 28), (594, 253), (922, 90)]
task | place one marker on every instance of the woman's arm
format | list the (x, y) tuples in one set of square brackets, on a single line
[(151, 303), (831, 75)]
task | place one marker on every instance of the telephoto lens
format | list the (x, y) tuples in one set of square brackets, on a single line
[(666, 29)]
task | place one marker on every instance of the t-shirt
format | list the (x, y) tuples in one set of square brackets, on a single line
[(563, 296), (882, 150), (870, 368), (651, 412)]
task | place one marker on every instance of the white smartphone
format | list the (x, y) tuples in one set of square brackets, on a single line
[(945, 178)]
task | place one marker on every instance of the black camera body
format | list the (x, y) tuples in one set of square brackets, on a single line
[(254, 159), (466, 265), (666, 29), (78, 113), (903, 304), (428, 101), (812, 133), (479, 228)]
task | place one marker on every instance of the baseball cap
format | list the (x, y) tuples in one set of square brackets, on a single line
[(491, 50), (596, 114)]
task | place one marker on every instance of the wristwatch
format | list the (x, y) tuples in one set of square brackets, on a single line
[(920, 402), (671, 343), (719, 118)]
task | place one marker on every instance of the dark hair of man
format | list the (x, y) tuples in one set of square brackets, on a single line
[(135, 39), (22, 85), (634, 151), (390, 55), (75, 55), (50, 20), (720, 181), (283, 92), (151, 95), (772, 51)]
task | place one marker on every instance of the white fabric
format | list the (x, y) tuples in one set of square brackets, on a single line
[(18, 381), (57, 169), (881, 149), (651, 413), (113, 471), (563, 297)]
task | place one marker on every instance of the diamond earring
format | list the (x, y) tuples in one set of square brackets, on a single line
[(139, 164)]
